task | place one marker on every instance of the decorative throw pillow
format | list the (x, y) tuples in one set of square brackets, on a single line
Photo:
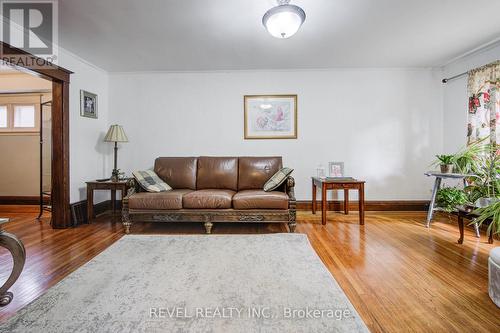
[(150, 181), (277, 179)]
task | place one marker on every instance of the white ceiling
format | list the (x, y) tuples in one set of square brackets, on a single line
[(149, 35)]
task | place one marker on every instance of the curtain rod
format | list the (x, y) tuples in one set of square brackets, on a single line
[(454, 77), (494, 63)]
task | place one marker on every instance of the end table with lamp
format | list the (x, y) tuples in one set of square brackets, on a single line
[(120, 185), (115, 134)]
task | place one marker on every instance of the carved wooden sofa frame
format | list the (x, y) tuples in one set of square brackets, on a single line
[(210, 216)]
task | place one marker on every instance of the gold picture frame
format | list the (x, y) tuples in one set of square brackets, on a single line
[(270, 117)]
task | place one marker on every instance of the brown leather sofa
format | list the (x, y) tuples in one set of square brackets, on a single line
[(213, 189)]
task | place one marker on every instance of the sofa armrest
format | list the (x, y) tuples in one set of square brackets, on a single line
[(292, 203), (133, 187), (290, 188)]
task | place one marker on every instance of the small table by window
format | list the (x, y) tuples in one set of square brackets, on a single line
[(332, 184), (121, 185)]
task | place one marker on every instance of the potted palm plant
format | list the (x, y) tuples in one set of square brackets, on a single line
[(490, 212), (482, 161), (466, 160), (484, 188), (446, 163)]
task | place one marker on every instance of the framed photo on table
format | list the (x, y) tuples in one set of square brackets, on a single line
[(336, 169), (270, 116)]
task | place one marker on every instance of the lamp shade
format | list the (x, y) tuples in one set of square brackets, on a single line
[(116, 134)]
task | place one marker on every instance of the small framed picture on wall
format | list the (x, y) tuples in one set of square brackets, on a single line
[(336, 169), (88, 104)]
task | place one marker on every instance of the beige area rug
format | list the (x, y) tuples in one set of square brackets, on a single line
[(205, 283)]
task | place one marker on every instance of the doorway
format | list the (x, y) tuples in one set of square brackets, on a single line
[(59, 165), (23, 116)]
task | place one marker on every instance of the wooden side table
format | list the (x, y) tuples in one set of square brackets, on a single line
[(121, 185), (466, 212), (346, 185), (16, 249)]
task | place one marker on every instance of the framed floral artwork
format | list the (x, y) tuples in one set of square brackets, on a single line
[(270, 116)]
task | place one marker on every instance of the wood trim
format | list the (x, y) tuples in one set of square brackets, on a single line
[(22, 200), (61, 214), (399, 205), (99, 208), (60, 77), (25, 60)]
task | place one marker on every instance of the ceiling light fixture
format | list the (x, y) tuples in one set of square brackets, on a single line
[(284, 20)]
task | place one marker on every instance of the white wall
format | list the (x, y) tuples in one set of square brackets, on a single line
[(89, 155), (19, 170), (386, 124), (455, 97)]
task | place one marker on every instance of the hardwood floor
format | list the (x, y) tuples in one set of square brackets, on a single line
[(399, 275)]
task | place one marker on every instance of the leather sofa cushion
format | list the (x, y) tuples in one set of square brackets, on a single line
[(254, 172), (178, 172), (169, 200), (259, 199), (217, 173), (208, 199)]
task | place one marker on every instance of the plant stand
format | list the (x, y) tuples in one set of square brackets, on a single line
[(437, 185)]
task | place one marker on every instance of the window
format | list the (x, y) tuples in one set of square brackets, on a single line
[(24, 116), (3, 116), (18, 118)]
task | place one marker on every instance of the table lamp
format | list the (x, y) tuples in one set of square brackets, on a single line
[(115, 134)]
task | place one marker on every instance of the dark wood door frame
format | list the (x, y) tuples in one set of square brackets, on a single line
[(60, 77)]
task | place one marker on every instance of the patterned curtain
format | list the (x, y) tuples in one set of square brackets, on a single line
[(484, 103)]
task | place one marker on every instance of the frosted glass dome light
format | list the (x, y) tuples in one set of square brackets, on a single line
[(284, 20)]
